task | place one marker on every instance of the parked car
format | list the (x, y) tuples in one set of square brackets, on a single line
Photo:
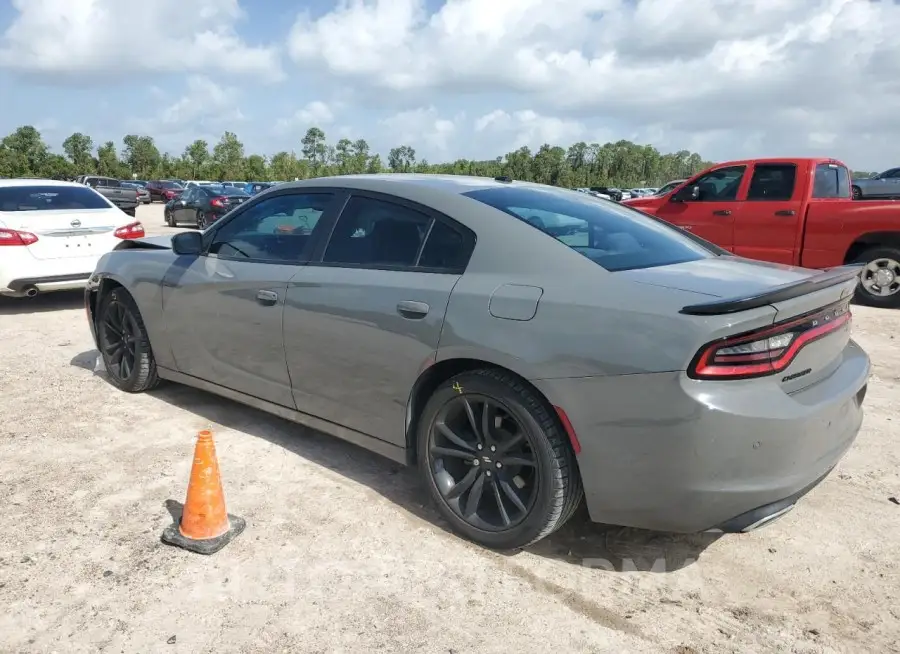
[(164, 190), (609, 191), (791, 211), (525, 345), (124, 197), (53, 233), (881, 186), (143, 195), (203, 205)]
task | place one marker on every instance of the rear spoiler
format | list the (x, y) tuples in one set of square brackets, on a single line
[(827, 278)]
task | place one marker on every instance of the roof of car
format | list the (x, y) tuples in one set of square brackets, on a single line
[(36, 182), (394, 182)]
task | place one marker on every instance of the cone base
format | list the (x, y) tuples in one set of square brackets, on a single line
[(172, 536)]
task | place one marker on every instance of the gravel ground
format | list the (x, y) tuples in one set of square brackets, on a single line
[(343, 553)]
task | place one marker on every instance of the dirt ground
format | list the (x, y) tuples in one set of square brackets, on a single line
[(342, 552)]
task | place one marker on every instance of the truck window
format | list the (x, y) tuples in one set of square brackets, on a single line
[(832, 181), (772, 182), (720, 185)]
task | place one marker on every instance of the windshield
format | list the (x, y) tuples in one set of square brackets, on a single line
[(612, 235), (668, 187), (50, 198)]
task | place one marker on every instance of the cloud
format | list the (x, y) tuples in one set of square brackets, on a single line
[(116, 38), (314, 114), (424, 130), (531, 129), (743, 76)]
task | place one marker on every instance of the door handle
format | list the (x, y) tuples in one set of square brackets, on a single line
[(786, 212), (412, 310), (722, 212), (267, 298)]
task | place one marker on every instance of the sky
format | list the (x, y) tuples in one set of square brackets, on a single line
[(474, 79)]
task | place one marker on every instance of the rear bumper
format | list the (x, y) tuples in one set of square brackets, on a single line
[(19, 287), (667, 453)]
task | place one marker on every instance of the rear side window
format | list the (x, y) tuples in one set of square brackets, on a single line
[(772, 182), (374, 233), (50, 198), (831, 181), (612, 235)]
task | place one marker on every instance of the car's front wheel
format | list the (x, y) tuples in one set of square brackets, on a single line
[(170, 218), (124, 344), (496, 460)]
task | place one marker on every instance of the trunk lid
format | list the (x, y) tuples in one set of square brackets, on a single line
[(64, 234), (734, 277)]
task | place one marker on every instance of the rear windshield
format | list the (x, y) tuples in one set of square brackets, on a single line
[(832, 181), (612, 235), (49, 198)]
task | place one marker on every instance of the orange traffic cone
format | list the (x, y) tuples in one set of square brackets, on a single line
[(205, 526)]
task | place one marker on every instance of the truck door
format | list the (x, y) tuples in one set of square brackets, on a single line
[(769, 225), (712, 213)]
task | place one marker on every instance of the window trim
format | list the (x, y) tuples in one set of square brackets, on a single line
[(469, 237), (785, 164), (304, 258)]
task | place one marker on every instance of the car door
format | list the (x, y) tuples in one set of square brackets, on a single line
[(712, 214), (181, 207), (889, 184), (224, 308), (363, 319), (768, 225)]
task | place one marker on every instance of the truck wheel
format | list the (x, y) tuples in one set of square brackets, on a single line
[(856, 192), (880, 279)]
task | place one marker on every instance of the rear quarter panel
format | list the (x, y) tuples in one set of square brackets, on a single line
[(142, 273)]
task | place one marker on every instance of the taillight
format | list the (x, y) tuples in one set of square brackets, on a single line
[(219, 202), (15, 237), (768, 350), (132, 230)]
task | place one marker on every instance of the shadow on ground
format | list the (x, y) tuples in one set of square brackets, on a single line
[(579, 542), (56, 301)]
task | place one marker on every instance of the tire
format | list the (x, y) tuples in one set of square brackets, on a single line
[(556, 490), (856, 193), (170, 219), (201, 221), (142, 375), (890, 256)]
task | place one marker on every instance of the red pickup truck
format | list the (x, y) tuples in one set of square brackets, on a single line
[(798, 212)]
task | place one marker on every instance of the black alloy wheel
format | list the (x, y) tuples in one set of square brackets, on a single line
[(123, 343), (496, 460), (201, 221), (170, 219), (483, 462)]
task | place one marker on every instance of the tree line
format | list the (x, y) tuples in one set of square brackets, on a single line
[(24, 153)]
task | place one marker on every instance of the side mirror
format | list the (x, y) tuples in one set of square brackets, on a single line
[(687, 194), (187, 243)]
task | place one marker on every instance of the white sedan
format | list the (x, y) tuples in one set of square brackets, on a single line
[(53, 233)]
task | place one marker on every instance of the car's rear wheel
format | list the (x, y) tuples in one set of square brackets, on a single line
[(124, 344), (879, 284), (856, 192), (202, 222), (496, 460)]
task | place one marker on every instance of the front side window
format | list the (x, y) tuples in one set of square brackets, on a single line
[(831, 181), (612, 235), (50, 198), (720, 185), (276, 229), (771, 182)]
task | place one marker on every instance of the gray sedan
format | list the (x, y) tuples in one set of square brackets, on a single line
[(527, 347), (883, 185)]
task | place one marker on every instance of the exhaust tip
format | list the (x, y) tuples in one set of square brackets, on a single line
[(31, 291)]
